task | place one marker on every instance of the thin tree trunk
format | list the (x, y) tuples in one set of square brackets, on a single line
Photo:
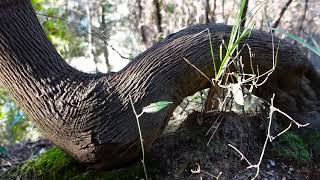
[(103, 28), (158, 15), (303, 16), (90, 117), (214, 11), (222, 10), (283, 10), (90, 51), (207, 11)]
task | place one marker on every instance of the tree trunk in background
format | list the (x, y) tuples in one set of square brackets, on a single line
[(283, 10), (103, 27), (222, 10), (156, 4), (90, 50), (207, 11), (214, 11), (90, 117), (303, 16)]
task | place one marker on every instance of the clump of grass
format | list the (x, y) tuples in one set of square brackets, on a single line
[(237, 35)]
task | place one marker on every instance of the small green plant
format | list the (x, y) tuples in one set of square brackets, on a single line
[(235, 81), (237, 35), (151, 108), (222, 77)]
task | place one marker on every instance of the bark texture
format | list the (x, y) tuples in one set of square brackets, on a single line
[(89, 116)]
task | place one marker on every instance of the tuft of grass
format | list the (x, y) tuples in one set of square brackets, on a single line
[(237, 35)]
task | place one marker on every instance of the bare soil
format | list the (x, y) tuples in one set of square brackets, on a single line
[(187, 148)]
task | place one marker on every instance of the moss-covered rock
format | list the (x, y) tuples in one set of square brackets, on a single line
[(55, 164)]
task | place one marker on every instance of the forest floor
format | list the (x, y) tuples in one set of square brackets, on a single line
[(184, 149)]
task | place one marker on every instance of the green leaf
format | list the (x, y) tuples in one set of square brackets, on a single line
[(299, 40), (52, 11), (171, 7), (155, 107), (3, 150)]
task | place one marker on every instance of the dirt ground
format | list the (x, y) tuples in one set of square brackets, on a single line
[(187, 148)]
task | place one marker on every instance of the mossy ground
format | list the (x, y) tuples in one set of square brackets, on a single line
[(293, 146), (55, 164)]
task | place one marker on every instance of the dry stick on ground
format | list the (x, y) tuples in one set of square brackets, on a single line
[(269, 137), (199, 171), (283, 10)]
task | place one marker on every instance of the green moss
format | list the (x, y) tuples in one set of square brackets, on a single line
[(55, 164), (312, 136), (292, 145)]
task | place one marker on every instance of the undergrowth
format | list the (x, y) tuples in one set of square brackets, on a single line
[(292, 146)]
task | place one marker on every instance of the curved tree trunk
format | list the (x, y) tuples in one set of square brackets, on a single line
[(90, 117)]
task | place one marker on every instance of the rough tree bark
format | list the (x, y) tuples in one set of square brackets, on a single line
[(90, 117)]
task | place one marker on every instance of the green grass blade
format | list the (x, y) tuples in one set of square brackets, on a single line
[(236, 36), (212, 53), (299, 40)]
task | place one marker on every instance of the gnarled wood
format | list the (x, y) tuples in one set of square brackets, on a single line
[(90, 117)]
